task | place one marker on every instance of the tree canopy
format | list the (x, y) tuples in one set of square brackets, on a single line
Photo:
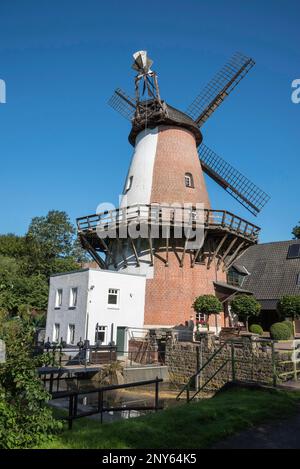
[(296, 231), (245, 306), (207, 304), (289, 306), (26, 262)]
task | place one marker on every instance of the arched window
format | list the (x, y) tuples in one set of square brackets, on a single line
[(188, 179)]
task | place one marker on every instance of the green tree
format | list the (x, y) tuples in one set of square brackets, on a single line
[(208, 304), (25, 419), (53, 234), (26, 262), (245, 306), (296, 231), (12, 246), (289, 306), (53, 245)]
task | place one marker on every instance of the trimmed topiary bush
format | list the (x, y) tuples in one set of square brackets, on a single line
[(280, 331), (290, 325), (245, 306), (208, 304), (289, 306), (256, 329)]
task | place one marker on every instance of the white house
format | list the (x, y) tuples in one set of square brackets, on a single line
[(95, 305)]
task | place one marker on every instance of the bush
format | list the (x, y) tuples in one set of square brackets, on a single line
[(280, 331), (245, 306), (290, 325), (207, 304), (25, 419), (256, 329), (289, 306)]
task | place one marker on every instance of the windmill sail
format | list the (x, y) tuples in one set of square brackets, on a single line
[(123, 104), (219, 88), (237, 185)]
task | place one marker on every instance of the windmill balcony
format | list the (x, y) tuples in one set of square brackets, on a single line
[(224, 234), (160, 215)]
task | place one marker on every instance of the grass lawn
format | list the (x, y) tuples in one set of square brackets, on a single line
[(194, 425)]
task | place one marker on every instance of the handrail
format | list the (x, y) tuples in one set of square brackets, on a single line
[(163, 214), (186, 386), (233, 360), (73, 399), (209, 379)]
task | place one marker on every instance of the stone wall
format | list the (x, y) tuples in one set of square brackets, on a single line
[(253, 362)]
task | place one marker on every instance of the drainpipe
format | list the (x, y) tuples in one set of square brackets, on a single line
[(111, 333)]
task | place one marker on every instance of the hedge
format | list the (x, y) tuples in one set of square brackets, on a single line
[(280, 331)]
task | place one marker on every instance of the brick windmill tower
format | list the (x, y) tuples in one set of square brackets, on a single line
[(164, 190)]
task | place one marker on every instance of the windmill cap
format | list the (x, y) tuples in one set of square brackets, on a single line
[(142, 62), (175, 117)]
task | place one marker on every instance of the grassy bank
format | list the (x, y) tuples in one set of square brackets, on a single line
[(195, 425)]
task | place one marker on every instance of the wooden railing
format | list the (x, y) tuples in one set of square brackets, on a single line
[(168, 215)]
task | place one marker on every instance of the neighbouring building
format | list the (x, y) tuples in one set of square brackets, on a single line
[(94, 305), (269, 271)]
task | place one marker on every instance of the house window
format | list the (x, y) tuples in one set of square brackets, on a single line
[(73, 297), (129, 184), (188, 179), (234, 278), (113, 297), (100, 334), (298, 280), (294, 251), (58, 298), (200, 317), (56, 332), (71, 334)]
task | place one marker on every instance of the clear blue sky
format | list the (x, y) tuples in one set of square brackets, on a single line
[(63, 148)]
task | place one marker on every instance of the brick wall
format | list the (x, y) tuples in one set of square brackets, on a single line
[(252, 363), (176, 154), (172, 291)]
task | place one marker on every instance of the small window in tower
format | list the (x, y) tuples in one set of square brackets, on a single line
[(298, 280), (188, 179), (129, 184)]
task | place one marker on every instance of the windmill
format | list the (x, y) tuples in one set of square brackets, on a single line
[(167, 167), (203, 106)]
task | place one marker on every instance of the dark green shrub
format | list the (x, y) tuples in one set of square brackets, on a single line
[(280, 331), (256, 329), (290, 325)]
